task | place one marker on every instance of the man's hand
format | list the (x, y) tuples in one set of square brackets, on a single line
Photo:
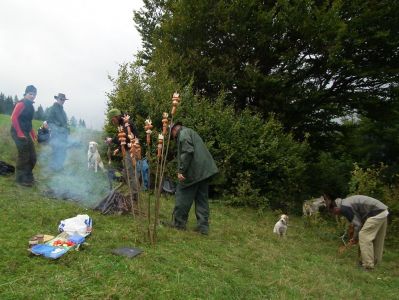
[(352, 242), (33, 136), (180, 177)]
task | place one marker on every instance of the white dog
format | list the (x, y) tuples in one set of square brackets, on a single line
[(93, 158), (312, 206), (281, 226)]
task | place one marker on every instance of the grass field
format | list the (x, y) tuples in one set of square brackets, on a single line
[(240, 259)]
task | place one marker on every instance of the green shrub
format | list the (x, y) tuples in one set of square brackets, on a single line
[(243, 144), (329, 175), (367, 181), (245, 194), (240, 142), (391, 198)]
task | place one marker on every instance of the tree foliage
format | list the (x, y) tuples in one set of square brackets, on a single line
[(39, 114), (2, 105), (243, 144), (73, 122), (287, 94), (309, 62), (82, 123)]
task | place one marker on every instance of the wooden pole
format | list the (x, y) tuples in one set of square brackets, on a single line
[(133, 156), (148, 130), (122, 140), (175, 103)]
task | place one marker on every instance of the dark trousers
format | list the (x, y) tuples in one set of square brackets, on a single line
[(185, 196), (26, 159)]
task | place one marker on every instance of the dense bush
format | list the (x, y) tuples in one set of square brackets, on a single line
[(367, 181), (328, 175), (247, 148)]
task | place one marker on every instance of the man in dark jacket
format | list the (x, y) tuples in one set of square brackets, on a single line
[(369, 219), (195, 168), (58, 123), (24, 135)]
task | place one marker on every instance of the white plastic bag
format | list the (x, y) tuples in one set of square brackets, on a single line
[(81, 224)]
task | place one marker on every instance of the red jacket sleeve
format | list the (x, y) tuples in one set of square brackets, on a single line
[(14, 118)]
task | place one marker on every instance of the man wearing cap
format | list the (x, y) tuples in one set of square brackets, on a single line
[(195, 168), (116, 117), (24, 135), (369, 219), (58, 123)]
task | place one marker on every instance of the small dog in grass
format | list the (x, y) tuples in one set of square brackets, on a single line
[(281, 226), (93, 158)]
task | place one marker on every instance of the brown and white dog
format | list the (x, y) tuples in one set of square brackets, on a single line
[(93, 158), (280, 228)]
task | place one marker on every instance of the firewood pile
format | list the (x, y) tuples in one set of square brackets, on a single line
[(115, 203)]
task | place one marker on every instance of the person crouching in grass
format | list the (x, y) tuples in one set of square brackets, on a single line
[(369, 218)]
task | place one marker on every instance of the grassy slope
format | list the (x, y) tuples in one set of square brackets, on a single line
[(240, 259)]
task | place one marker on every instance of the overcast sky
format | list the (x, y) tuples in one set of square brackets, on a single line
[(66, 47)]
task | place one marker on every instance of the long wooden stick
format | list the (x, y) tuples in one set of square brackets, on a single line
[(122, 140), (148, 126), (175, 103), (132, 154), (158, 186)]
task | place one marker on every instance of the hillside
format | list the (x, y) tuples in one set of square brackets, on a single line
[(240, 259)]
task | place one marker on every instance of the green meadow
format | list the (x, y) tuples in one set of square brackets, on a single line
[(240, 259)]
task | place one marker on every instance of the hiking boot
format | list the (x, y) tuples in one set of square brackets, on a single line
[(172, 225), (203, 231), (365, 268), (25, 184)]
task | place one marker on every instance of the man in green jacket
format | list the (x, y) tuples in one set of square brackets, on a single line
[(195, 168), (58, 123)]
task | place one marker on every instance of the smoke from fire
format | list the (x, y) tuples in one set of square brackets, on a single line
[(74, 181)]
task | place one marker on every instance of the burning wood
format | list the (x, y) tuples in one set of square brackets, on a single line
[(114, 203)]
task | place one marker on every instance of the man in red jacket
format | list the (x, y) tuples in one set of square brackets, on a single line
[(24, 136)]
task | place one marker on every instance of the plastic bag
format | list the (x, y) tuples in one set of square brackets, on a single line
[(81, 225)]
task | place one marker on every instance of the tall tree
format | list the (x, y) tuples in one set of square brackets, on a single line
[(82, 123), (310, 62), (73, 122), (8, 105), (39, 113), (2, 103), (148, 20)]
